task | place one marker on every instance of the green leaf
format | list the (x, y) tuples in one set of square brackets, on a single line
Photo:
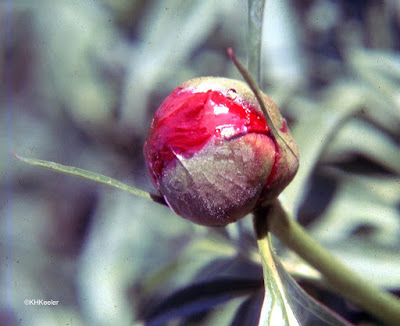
[(255, 22), (375, 261), (373, 201), (361, 137), (314, 131), (285, 302), (92, 176), (249, 311), (380, 70), (200, 298)]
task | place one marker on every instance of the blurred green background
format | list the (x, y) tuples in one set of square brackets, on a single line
[(79, 82)]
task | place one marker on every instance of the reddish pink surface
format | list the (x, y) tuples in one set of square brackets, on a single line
[(186, 121), (274, 168)]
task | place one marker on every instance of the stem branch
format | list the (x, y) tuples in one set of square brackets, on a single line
[(343, 280)]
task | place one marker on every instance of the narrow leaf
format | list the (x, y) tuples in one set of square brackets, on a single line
[(92, 176), (201, 297), (255, 18), (285, 302), (249, 311)]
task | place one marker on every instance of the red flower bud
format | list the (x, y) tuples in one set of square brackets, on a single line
[(212, 155)]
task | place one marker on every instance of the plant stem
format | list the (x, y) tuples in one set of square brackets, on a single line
[(343, 280), (255, 23), (259, 96)]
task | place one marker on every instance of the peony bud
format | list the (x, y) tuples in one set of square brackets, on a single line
[(212, 155)]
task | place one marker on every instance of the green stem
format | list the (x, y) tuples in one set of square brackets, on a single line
[(343, 280), (255, 89), (260, 99), (255, 23)]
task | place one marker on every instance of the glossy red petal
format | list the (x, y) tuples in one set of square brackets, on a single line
[(186, 121)]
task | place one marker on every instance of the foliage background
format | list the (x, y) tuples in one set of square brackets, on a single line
[(80, 81)]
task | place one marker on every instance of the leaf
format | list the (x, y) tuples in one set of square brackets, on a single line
[(92, 176), (358, 136), (313, 132), (234, 267), (162, 49), (221, 315), (248, 313), (201, 297), (380, 70), (202, 260), (377, 262), (86, 49), (285, 302), (373, 202), (196, 255), (369, 202), (255, 22)]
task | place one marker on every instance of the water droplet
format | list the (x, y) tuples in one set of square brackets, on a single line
[(231, 94)]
